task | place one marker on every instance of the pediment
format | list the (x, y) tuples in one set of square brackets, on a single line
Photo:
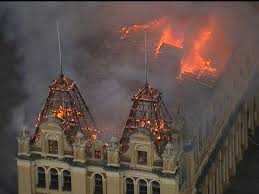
[(141, 135), (51, 124)]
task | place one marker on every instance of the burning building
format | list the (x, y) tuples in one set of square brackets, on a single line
[(66, 154), (66, 103), (193, 64)]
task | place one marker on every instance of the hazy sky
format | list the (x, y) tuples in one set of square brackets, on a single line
[(106, 72)]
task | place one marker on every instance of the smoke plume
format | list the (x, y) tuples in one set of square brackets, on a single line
[(108, 75)]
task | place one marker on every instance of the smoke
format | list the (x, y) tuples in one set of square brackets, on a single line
[(108, 76)]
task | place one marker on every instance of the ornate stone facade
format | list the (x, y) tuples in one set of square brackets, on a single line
[(83, 166), (50, 163)]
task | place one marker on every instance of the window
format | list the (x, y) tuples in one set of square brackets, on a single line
[(98, 189), (53, 147), (129, 186), (142, 157), (97, 154), (41, 177), (53, 179), (142, 187), (66, 180), (155, 187)]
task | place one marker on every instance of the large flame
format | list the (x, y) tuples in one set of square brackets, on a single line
[(192, 60), (168, 38)]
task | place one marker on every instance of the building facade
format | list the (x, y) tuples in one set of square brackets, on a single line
[(66, 154)]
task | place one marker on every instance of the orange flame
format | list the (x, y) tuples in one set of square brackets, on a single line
[(62, 113), (93, 137), (156, 24), (162, 124), (192, 61), (167, 38)]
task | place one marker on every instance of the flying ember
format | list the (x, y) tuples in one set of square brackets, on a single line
[(192, 60), (151, 26)]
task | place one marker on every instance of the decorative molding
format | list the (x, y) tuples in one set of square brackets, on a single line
[(141, 147), (24, 163), (78, 169), (52, 163)]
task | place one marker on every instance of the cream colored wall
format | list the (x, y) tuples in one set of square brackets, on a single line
[(113, 182), (82, 178), (58, 165), (96, 170), (78, 180), (53, 130), (24, 176), (141, 142), (168, 186)]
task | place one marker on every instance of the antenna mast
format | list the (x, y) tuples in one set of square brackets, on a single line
[(146, 56), (59, 48)]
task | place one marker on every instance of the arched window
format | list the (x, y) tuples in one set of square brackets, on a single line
[(98, 187), (142, 187), (41, 177), (66, 180), (53, 179), (155, 187), (129, 186)]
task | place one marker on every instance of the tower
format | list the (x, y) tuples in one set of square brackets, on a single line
[(149, 111), (64, 132), (65, 102)]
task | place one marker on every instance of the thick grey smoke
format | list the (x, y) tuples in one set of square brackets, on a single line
[(108, 75)]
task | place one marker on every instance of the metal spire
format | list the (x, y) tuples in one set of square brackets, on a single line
[(60, 54), (146, 57)]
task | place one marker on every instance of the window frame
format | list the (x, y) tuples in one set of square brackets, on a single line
[(39, 178), (155, 187), (99, 155), (54, 185), (138, 157), (142, 190), (67, 185), (100, 186), (126, 186), (52, 150)]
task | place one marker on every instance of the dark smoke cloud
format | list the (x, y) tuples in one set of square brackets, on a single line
[(106, 80), (11, 96)]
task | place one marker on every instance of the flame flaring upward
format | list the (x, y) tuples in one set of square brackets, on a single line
[(192, 60), (167, 38)]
